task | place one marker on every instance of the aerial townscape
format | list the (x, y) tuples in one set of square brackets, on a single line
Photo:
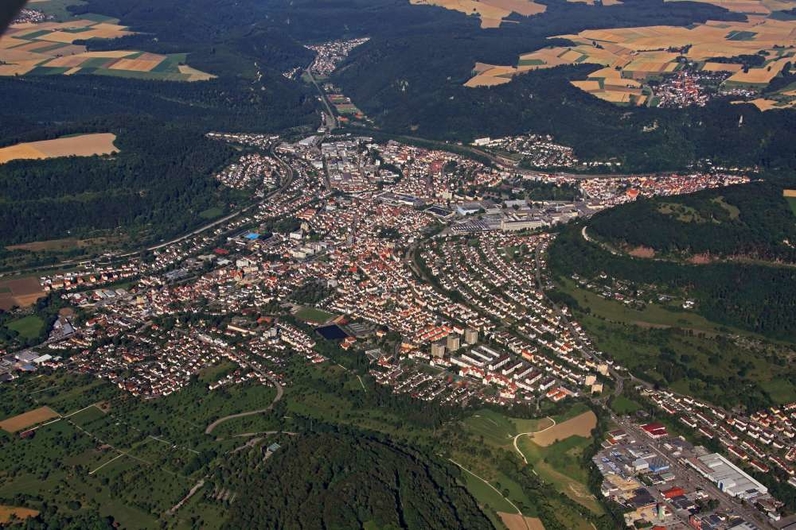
[(300, 265)]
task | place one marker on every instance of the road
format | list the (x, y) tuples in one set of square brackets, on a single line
[(689, 479), (119, 257), (491, 486), (279, 392), (332, 123), (528, 433)]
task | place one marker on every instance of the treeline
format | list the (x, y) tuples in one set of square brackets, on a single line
[(753, 297), (156, 186), (231, 104), (346, 480), (752, 220)]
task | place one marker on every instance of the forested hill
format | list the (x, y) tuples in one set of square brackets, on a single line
[(155, 187), (341, 481), (757, 298), (409, 77), (752, 221)]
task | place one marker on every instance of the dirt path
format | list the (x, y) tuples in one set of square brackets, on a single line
[(219, 421)]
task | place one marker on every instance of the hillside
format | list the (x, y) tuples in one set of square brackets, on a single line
[(425, 97), (155, 186), (344, 481), (751, 221), (758, 298)]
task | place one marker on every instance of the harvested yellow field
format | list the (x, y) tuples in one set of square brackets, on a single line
[(28, 419), (134, 65), (581, 425), (721, 67), (16, 69), (194, 74), (588, 85), (650, 52), (515, 521), (7, 513), (82, 145), (789, 193), (760, 76), (591, 2), (491, 12), (765, 104), (20, 152), (50, 45)]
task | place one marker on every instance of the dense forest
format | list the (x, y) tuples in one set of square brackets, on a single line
[(157, 185), (757, 298), (752, 221), (336, 480)]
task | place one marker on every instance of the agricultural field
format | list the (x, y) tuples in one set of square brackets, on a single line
[(20, 292), (28, 419), (7, 513), (581, 425), (515, 521), (561, 464), (80, 145), (58, 48), (491, 12), (630, 56), (790, 196)]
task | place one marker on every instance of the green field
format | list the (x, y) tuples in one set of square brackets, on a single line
[(561, 464), (28, 327), (57, 8), (498, 429), (211, 213), (792, 204), (652, 315), (311, 314), (622, 405)]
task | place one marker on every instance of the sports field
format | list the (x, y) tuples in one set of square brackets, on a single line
[(28, 419), (81, 145), (311, 314), (48, 48)]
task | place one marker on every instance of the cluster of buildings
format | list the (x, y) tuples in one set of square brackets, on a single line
[(331, 54), (663, 481), (688, 87), (253, 170), (536, 150), (498, 275), (761, 442), (30, 16)]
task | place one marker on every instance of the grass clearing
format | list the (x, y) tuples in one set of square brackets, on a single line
[(561, 464), (622, 405), (28, 327)]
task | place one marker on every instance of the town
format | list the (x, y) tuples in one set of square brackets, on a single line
[(426, 263)]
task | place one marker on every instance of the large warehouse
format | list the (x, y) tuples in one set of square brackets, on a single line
[(728, 477)]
